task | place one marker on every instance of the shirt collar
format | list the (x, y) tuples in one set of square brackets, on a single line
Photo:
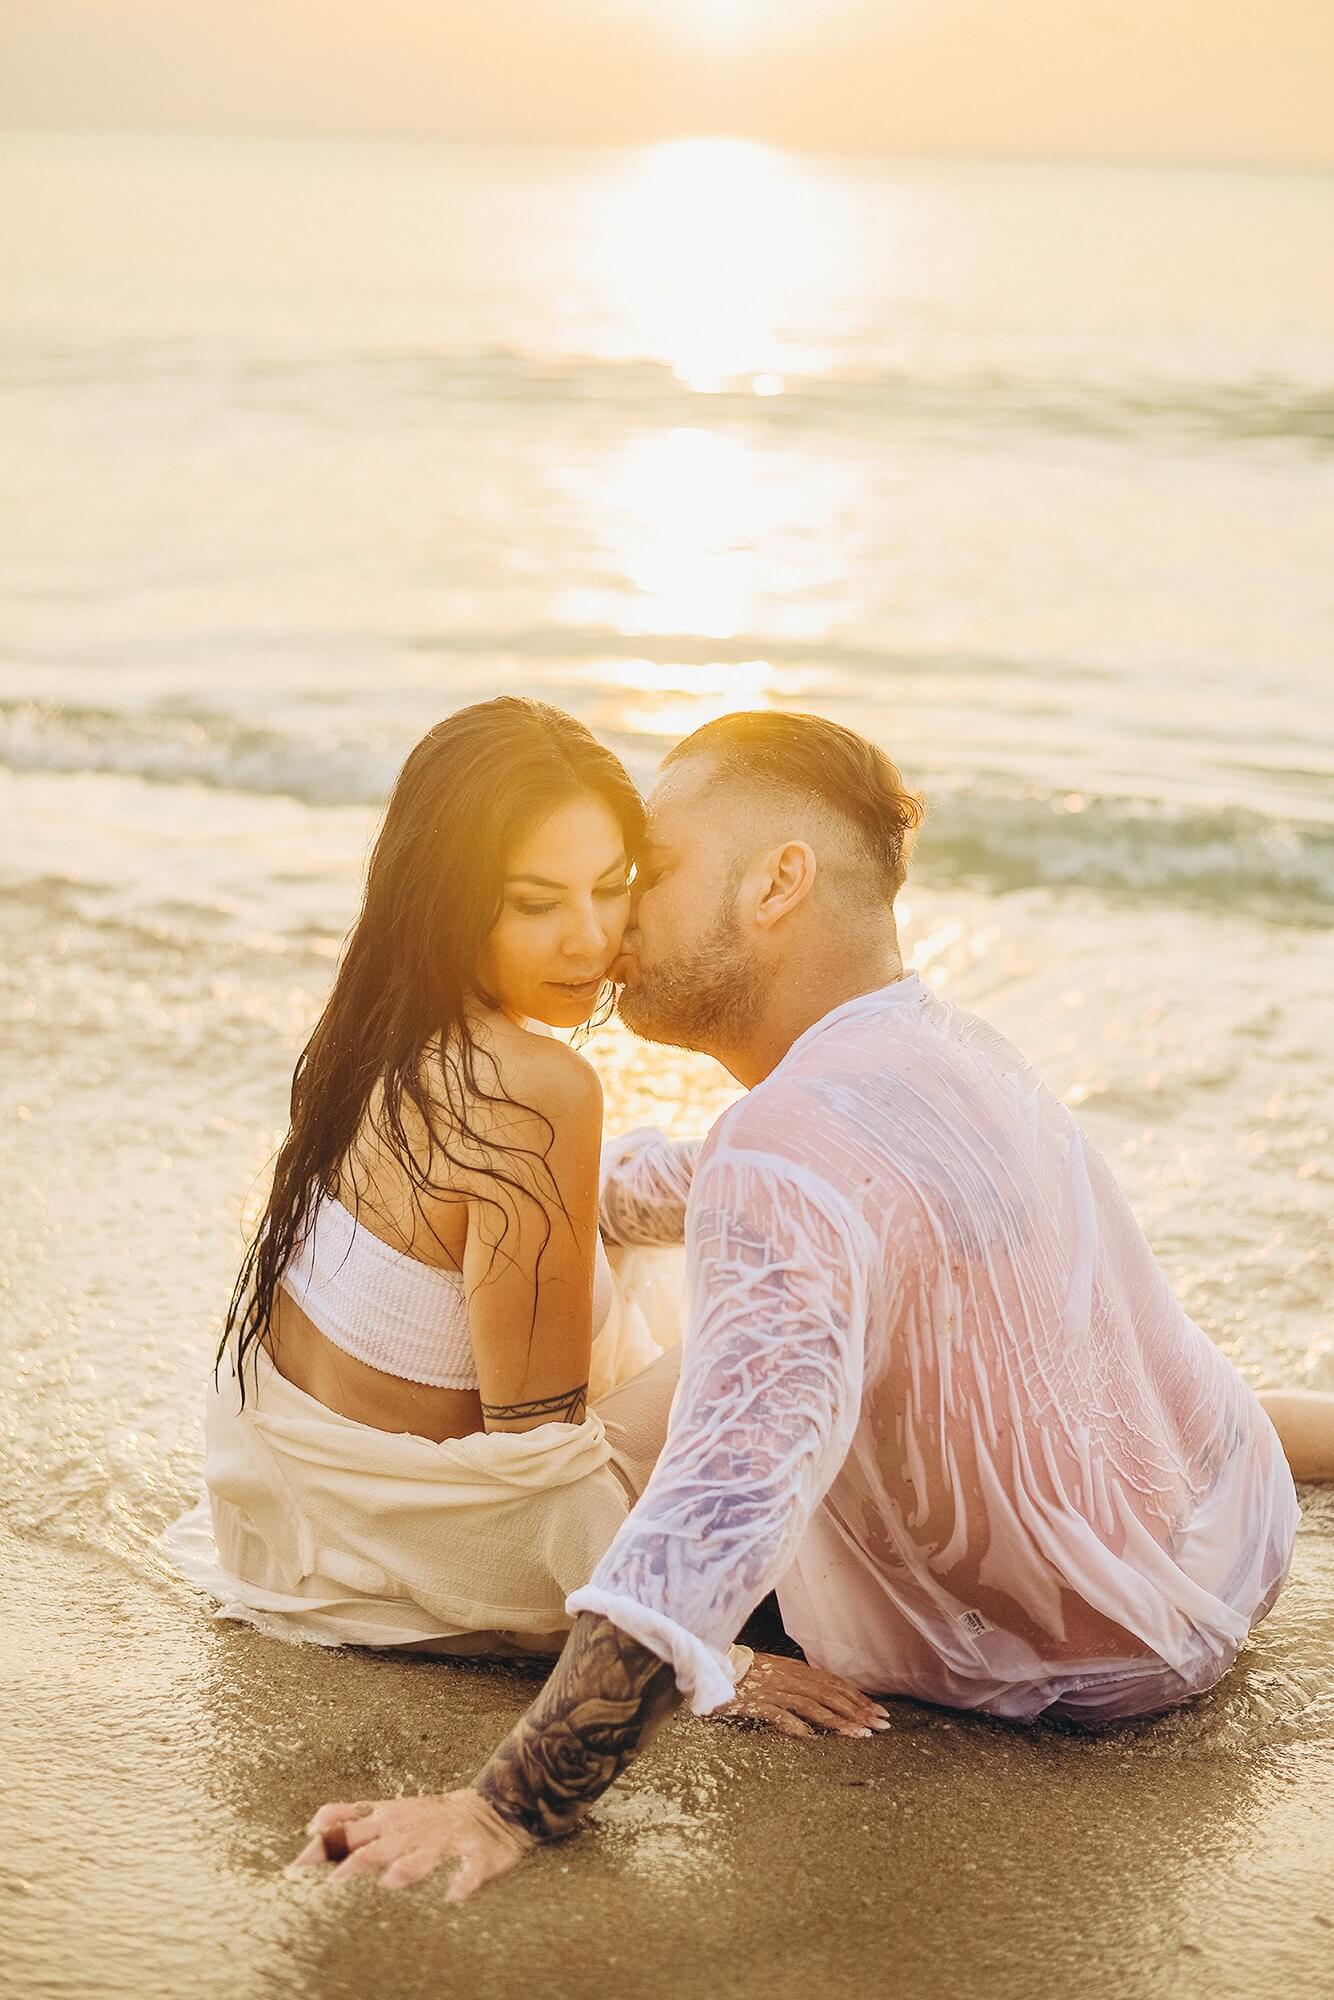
[(899, 991)]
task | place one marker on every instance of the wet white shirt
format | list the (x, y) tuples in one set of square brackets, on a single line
[(937, 1392)]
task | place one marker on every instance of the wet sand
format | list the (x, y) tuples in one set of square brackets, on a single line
[(162, 1764), (156, 1767)]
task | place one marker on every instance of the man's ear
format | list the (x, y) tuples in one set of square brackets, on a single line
[(786, 879)]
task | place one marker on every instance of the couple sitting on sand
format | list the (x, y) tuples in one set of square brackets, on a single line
[(934, 1390)]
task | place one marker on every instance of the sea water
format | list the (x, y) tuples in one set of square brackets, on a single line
[(1026, 471)]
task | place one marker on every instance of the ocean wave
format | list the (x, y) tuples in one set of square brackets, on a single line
[(980, 835), (1225, 857), (822, 659), (1062, 399), (217, 752)]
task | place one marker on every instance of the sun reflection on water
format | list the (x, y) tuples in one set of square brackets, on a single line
[(701, 531), (697, 532), (668, 702), (717, 258), (713, 221), (683, 520)]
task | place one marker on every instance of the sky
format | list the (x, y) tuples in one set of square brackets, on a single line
[(1226, 81)]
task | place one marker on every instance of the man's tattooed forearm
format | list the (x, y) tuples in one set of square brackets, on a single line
[(605, 1698), (569, 1407)]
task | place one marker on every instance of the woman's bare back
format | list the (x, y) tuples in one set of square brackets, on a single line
[(431, 1228)]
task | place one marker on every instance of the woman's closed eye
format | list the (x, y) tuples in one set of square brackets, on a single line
[(614, 894)]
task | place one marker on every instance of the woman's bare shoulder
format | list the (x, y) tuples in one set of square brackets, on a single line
[(520, 1077)]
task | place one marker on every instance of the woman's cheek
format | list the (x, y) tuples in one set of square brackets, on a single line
[(546, 948), (517, 954), (617, 925)]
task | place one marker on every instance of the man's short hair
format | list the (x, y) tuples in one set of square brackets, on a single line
[(807, 756)]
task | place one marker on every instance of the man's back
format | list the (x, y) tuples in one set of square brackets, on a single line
[(937, 1392), (1055, 1470)]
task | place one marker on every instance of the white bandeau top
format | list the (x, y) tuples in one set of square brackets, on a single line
[(390, 1310)]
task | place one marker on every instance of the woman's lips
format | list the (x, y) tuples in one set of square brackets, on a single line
[(577, 987)]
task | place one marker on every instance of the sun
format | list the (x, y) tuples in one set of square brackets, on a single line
[(723, 23), (729, 26)]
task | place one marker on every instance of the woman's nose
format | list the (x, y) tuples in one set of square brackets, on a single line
[(589, 933)]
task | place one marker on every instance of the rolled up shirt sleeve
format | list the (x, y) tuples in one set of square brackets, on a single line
[(646, 1181), (769, 1398)]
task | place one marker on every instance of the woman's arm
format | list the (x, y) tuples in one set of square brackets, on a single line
[(528, 1264)]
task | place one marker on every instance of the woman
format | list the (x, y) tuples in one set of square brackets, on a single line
[(433, 1404)]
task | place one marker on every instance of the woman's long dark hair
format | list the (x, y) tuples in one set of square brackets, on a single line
[(473, 786)]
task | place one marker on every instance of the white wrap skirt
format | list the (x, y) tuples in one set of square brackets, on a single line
[(314, 1527)]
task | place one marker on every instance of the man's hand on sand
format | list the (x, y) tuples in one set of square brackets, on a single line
[(797, 1700), (603, 1701), (401, 1841)]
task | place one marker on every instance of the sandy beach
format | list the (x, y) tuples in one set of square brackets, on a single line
[(159, 1766), (1188, 1856)]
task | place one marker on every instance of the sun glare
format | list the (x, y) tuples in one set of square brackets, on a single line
[(670, 702), (696, 530), (736, 24), (722, 23), (709, 217), (681, 516)]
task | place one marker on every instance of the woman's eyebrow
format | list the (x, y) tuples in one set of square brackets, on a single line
[(617, 867)]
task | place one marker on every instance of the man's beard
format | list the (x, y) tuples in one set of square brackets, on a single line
[(709, 998)]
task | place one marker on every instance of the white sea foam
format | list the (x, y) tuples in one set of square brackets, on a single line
[(1001, 838)]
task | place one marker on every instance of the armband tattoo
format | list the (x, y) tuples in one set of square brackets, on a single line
[(569, 1407)]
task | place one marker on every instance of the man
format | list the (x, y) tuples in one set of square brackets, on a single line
[(935, 1389)]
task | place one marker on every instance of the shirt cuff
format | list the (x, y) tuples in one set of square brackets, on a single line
[(704, 1676)]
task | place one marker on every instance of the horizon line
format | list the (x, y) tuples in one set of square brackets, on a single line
[(539, 142)]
